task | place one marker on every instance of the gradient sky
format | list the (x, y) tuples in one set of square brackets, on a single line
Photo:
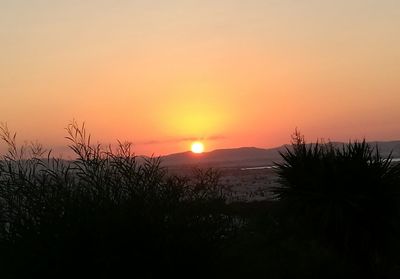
[(233, 73)]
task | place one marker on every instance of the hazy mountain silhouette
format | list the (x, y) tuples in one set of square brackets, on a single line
[(243, 156), (252, 156)]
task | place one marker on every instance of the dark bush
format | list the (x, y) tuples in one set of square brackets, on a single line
[(110, 214), (105, 214), (347, 197)]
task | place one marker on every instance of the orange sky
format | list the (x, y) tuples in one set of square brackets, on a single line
[(230, 73)]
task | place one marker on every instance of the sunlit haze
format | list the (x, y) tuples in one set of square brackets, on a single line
[(230, 73), (197, 147)]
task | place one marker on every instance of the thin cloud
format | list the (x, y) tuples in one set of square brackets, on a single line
[(177, 140)]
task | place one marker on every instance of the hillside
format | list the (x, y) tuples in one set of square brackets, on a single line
[(252, 156)]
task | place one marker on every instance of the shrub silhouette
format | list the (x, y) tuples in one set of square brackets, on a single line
[(346, 196), (105, 214), (109, 213)]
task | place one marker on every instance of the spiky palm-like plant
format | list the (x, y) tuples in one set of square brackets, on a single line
[(347, 196)]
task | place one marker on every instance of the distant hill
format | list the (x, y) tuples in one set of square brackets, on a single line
[(252, 156), (387, 147), (243, 156)]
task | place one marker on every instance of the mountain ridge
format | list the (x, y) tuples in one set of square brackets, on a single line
[(254, 156)]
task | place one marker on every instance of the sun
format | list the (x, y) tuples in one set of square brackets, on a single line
[(197, 147)]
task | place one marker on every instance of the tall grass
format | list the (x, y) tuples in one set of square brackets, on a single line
[(104, 213)]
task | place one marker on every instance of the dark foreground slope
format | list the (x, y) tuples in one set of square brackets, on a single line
[(107, 216)]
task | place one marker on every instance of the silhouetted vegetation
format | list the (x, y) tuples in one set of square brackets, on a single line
[(347, 198), (107, 215)]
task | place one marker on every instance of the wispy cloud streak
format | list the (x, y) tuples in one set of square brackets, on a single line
[(177, 140)]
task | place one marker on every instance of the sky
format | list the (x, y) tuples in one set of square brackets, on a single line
[(230, 73)]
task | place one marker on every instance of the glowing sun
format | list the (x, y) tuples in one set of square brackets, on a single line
[(197, 147)]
